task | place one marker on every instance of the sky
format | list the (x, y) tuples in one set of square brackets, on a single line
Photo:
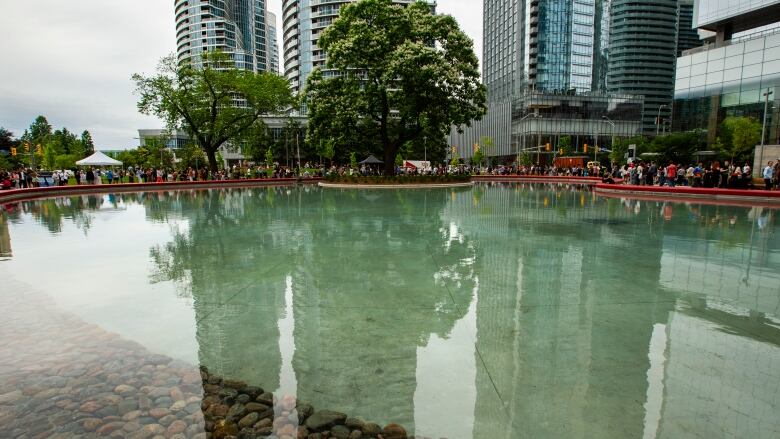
[(71, 61)]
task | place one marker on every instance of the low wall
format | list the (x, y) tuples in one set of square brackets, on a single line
[(538, 179), (16, 195), (737, 197), (395, 186)]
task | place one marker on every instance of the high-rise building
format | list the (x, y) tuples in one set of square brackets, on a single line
[(736, 74), (303, 21), (642, 53), (687, 35), (273, 43), (236, 27), (545, 65), (556, 45)]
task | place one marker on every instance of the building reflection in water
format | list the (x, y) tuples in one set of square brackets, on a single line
[(503, 311)]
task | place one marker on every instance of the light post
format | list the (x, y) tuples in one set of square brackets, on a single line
[(604, 118), (658, 118), (763, 128)]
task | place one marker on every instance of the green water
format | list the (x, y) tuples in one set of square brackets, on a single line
[(500, 311)]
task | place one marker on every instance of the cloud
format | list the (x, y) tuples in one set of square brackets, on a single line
[(72, 61)]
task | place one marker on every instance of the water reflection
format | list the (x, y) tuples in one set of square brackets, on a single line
[(503, 311)]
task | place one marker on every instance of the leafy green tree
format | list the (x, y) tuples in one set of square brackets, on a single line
[(564, 145), (87, 143), (408, 72), (676, 147), (7, 140), (353, 163), (269, 157), (524, 158), (256, 142), (478, 156), (399, 160), (217, 104), (620, 148), (739, 135), (49, 156), (327, 149), (191, 156), (40, 131)]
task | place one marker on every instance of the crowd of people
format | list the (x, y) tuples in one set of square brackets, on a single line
[(712, 175)]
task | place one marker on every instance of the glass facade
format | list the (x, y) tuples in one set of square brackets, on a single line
[(687, 36), (237, 27), (643, 44), (555, 45), (273, 43), (729, 81), (713, 11)]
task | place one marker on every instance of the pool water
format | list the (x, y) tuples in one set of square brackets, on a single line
[(498, 311)]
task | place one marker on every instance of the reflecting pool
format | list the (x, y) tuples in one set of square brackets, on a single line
[(499, 311)]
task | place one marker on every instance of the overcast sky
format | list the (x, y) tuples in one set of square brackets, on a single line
[(71, 61)]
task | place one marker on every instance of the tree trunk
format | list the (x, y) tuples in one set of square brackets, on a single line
[(390, 150), (212, 156)]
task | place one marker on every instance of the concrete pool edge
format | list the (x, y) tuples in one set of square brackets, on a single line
[(736, 197), (18, 195)]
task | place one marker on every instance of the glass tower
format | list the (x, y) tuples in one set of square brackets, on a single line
[(550, 46), (642, 54), (236, 27), (273, 44)]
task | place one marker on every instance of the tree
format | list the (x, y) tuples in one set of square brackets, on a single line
[(478, 156), (256, 142), (739, 136), (6, 140), (87, 143), (217, 104), (353, 163), (327, 149), (564, 145), (40, 131), (407, 72), (191, 156)]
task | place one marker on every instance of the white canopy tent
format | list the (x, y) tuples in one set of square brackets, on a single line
[(98, 159)]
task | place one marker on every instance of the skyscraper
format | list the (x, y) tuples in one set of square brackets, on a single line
[(687, 36), (642, 53), (556, 45), (303, 21), (236, 27), (273, 43)]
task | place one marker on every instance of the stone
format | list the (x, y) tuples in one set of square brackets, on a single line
[(131, 426), (243, 398), (354, 423), (356, 434), (256, 407), (249, 420), (253, 391), (371, 429), (267, 414), (178, 406), (91, 424), (90, 407), (304, 411), (235, 384), (218, 410), (393, 431), (340, 432), (176, 427), (124, 389), (166, 420), (266, 398), (109, 428), (266, 422), (223, 429), (286, 430), (324, 419), (159, 412), (176, 394), (131, 416), (303, 433), (237, 411)]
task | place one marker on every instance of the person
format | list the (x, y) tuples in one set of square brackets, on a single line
[(671, 172), (90, 176), (769, 176)]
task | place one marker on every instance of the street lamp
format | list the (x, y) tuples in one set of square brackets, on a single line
[(658, 118), (604, 118), (763, 128)]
